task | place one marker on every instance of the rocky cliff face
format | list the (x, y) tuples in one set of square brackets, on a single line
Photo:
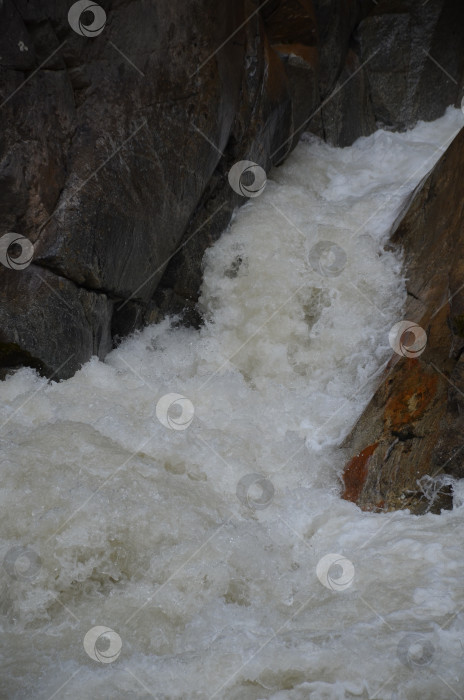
[(120, 125), (409, 439)]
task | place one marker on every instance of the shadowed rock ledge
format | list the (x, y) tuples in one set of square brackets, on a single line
[(410, 438), (115, 148)]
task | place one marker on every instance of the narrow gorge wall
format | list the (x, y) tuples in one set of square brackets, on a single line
[(410, 437), (118, 136)]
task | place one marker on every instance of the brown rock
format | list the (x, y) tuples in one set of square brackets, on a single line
[(290, 22), (411, 435)]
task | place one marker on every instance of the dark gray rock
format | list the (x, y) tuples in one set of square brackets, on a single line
[(77, 329), (336, 22), (302, 68), (414, 54), (349, 113), (102, 162)]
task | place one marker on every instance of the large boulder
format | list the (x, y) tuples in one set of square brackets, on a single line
[(403, 61), (414, 59), (409, 441)]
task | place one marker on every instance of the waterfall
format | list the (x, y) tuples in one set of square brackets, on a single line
[(172, 516)]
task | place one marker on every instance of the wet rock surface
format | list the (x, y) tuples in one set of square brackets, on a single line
[(116, 147), (414, 58), (102, 165), (409, 441)]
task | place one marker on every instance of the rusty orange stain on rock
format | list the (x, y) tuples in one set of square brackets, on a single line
[(415, 389), (355, 473)]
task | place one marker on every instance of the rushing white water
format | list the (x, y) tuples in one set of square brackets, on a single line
[(148, 531)]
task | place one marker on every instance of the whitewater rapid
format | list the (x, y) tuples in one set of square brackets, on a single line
[(209, 578)]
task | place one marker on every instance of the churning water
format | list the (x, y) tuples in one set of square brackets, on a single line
[(216, 583)]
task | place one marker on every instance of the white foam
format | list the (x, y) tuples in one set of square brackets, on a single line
[(139, 527)]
